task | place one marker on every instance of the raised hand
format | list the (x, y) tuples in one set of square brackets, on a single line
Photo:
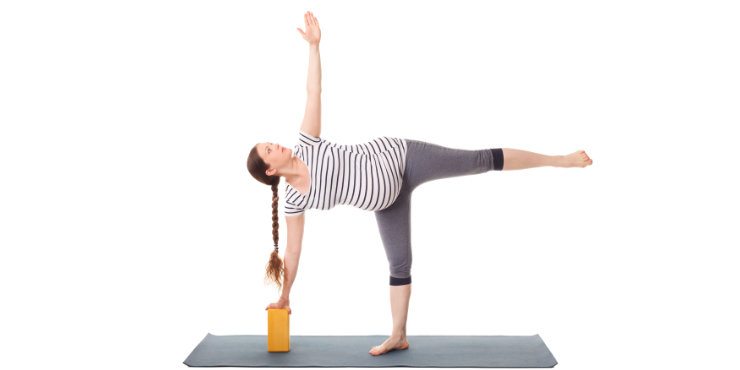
[(313, 33)]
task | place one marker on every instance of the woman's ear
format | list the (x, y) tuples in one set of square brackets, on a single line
[(271, 172)]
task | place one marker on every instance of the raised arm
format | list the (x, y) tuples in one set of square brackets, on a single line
[(312, 117)]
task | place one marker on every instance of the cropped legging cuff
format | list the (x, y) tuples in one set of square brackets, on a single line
[(400, 281), (498, 159)]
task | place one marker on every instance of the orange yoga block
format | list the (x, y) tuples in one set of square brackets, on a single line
[(278, 330)]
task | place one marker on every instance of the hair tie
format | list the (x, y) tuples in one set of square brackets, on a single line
[(276, 247)]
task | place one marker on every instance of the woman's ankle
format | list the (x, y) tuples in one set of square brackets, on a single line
[(399, 334)]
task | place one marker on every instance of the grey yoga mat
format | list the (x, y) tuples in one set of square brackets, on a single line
[(352, 351)]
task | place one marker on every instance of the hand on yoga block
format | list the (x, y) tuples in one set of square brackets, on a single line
[(278, 330), (281, 303)]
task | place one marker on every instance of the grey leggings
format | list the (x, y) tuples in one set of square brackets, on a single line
[(425, 162)]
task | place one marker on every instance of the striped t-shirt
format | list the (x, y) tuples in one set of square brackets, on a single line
[(367, 176)]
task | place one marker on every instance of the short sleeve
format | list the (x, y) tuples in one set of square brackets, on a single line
[(290, 208), (308, 139)]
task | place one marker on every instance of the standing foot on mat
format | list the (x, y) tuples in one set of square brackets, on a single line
[(390, 344), (577, 159)]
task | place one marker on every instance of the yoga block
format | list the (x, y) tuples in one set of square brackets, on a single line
[(278, 330)]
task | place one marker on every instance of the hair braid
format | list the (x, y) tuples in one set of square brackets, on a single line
[(275, 269), (275, 223), (257, 167)]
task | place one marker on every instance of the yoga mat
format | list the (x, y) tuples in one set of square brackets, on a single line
[(352, 351)]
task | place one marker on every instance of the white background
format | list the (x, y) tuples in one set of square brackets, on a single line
[(131, 227)]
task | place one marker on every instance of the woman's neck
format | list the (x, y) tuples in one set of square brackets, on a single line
[(294, 175)]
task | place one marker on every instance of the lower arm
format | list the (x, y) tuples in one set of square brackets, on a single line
[(290, 265), (314, 69)]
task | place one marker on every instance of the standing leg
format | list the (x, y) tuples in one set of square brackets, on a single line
[(424, 162), (394, 224)]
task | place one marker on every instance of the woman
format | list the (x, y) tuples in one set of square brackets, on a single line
[(379, 176)]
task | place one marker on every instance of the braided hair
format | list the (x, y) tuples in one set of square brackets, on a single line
[(274, 271)]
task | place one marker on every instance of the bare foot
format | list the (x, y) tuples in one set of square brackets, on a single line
[(577, 159), (392, 343)]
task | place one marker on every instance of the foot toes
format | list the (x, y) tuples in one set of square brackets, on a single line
[(375, 351)]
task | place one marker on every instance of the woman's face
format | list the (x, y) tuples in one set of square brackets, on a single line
[(274, 155)]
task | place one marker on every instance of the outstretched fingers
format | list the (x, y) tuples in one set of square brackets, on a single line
[(311, 19)]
